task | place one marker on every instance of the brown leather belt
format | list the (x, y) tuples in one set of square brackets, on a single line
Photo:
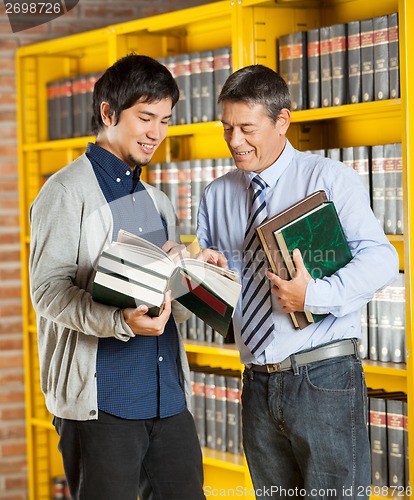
[(333, 350)]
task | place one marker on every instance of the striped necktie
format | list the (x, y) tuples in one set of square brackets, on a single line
[(256, 298)]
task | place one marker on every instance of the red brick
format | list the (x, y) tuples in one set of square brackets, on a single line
[(13, 431), (16, 483), (11, 378), (14, 326), (8, 152), (9, 256), (114, 13), (12, 466), (10, 220), (14, 450), (12, 273), (12, 414), (8, 167), (9, 360), (15, 344), (7, 81), (9, 310)]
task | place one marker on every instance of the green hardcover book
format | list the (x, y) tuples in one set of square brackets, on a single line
[(319, 236)]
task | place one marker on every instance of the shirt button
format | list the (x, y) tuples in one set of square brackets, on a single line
[(133, 198), (160, 358), (127, 172), (118, 179), (92, 413), (140, 229)]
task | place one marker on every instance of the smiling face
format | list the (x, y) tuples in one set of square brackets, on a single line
[(254, 140), (138, 133)]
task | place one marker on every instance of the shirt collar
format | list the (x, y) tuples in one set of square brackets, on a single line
[(113, 166), (273, 173)]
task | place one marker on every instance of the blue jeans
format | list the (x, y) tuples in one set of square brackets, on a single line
[(305, 432)]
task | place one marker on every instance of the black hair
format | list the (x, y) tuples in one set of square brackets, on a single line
[(132, 78), (257, 84)]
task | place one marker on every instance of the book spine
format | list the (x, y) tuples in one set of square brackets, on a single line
[(298, 73), (314, 68), (398, 313), (221, 412), (361, 165), (170, 182), (390, 189), (207, 85), (196, 180), (381, 58), (222, 70), (395, 438), (399, 191), (183, 79), (199, 406), (233, 414), (406, 453), (326, 66), (66, 114), (383, 301), (170, 64), (373, 328), (378, 183), (284, 50), (184, 196), (394, 59), (354, 62), (80, 125), (347, 155), (339, 64), (378, 439), (52, 114), (195, 76), (210, 398), (367, 60), (155, 175)]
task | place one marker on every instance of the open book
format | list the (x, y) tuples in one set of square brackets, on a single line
[(133, 271)]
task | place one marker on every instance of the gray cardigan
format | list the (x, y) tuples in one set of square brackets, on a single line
[(71, 223)]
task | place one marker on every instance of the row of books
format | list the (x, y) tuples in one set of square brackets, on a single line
[(342, 64), (383, 325), (388, 426), (196, 329), (184, 182), (216, 402), (380, 168), (200, 77), (69, 106)]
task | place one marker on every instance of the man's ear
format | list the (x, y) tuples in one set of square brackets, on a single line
[(283, 121), (106, 113)]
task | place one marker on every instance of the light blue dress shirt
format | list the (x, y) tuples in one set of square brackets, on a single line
[(222, 220)]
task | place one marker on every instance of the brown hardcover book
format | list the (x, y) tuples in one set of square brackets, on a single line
[(266, 235)]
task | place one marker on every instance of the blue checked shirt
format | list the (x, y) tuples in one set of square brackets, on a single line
[(137, 379)]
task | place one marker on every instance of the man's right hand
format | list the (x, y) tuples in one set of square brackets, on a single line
[(142, 324)]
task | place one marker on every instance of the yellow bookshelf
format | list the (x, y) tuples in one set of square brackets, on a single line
[(251, 28)]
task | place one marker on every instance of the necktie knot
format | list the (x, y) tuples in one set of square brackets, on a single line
[(257, 183)]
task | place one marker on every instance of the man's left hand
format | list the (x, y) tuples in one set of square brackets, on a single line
[(291, 293)]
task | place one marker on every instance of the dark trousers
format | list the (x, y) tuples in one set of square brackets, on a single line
[(117, 459)]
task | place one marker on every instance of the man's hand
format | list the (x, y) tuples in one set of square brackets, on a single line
[(291, 294), (212, 257), (176, 251), (142, 324)]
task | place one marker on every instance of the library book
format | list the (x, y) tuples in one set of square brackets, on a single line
[(133, 271), (312, 225)]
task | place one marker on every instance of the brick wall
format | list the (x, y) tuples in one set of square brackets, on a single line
[(87, 15)]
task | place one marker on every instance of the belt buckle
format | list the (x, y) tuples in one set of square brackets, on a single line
[(274, 367)]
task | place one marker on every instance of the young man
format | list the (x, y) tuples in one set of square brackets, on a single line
[(116, 381), (304, 396)]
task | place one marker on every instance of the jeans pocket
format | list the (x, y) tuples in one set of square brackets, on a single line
[(332, 375)]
